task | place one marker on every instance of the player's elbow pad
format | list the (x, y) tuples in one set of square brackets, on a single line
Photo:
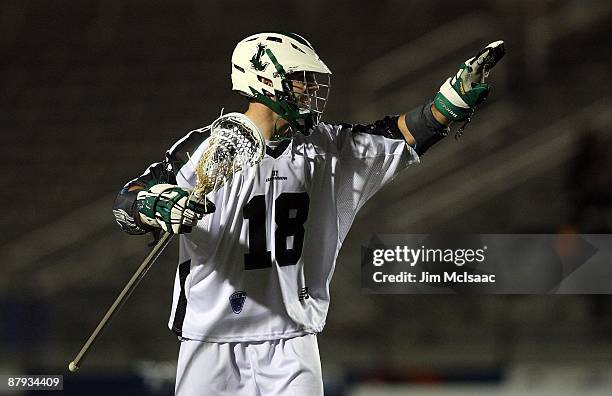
[(126, 214), (425, 129)]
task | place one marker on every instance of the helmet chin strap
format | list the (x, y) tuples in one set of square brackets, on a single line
[(280, 134)]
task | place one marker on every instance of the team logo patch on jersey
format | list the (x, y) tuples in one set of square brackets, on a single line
[(237, 300)]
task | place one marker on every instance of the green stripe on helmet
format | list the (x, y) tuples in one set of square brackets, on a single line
[(278, 66)]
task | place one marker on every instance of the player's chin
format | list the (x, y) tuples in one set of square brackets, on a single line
[(281, 124)]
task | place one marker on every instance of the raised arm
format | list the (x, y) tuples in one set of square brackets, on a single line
[(456, 100)]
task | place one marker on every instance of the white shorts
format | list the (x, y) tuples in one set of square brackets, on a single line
[(264, 368)]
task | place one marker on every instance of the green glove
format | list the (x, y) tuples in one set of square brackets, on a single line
[(169, 207), (460, 94)]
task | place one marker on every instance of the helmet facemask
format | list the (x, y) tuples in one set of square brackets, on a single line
[(302, 100), (305, 93)]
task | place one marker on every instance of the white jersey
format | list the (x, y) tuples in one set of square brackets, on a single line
[(259, 267)]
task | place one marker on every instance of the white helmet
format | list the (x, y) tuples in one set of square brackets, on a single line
[(265, 67)]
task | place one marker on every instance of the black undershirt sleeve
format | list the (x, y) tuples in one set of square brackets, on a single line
[(387, 127), (420, 121)]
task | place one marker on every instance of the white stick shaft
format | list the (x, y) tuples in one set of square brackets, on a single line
[(123, 296)]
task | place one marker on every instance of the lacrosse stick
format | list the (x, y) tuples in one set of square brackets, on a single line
[(234, 142)]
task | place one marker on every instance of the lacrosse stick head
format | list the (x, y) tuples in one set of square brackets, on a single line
[(235, 142)]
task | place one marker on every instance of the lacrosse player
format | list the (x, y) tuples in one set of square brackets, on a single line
[(252, 285)]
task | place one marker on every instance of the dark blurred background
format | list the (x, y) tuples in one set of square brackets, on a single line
[(94, 91)]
